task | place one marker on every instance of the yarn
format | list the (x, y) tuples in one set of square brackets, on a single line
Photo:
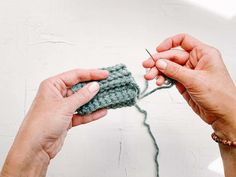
[(118, 90), (168, 84), (121, 90)]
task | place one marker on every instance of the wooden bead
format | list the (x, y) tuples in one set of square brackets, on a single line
[(234, 143), (223, 141)]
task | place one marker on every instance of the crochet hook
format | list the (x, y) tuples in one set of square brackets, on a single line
[(167, 79)]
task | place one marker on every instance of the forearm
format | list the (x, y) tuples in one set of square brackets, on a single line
[(17, 168), (25, 161), (227, 131), (228, 155), (24, 164)]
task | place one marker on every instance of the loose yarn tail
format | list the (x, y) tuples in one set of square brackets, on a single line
[(144, 112), (169, 83)]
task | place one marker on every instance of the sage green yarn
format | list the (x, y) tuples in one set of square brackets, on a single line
[(168, 84), (118, 90)]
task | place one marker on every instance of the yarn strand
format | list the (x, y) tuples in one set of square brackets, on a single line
[(121, 90), (169, 83), (144, 112)]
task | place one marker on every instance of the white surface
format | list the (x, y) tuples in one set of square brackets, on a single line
[(40, 38), (226, 8)]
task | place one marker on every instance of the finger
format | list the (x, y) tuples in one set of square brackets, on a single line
[(70, 126), (82, 96), (175, 71), (175, 55), (78, 119), (160, 80), (69, 92), (186, 41), (75, 76), (149, 63), (151, 74)]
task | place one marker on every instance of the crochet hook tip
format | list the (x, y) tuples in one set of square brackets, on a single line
[(168, 80), (149, 53)]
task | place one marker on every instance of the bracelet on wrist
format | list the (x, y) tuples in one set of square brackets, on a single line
[(223, 141)]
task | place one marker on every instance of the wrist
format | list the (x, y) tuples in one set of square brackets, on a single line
[(23, 160), (225, 124), (28, 164), (226, 128)]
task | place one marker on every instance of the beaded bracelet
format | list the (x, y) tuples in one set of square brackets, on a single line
[(223, 141)]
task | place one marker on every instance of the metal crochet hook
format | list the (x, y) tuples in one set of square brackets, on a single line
[(168, 80), (168, 84)]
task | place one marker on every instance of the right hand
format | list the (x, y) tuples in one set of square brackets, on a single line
[(202, 79)]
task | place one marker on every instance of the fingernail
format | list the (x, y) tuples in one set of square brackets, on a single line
[(103, 112), (93, 87), (161, 64), (105, 71)]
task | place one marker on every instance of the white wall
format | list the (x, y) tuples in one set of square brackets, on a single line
[(40, 38)]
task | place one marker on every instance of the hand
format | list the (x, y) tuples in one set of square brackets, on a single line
[(201, 77), (51, 115), (203, 80)]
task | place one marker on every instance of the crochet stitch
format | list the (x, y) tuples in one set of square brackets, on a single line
[(118, 90)]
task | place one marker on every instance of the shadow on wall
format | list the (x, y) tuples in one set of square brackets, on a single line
[(223, 8)]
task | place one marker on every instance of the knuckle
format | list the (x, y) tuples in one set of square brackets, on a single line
[(200, 50), (44, 84), (216, 51), (186, 34), (212, 52), (174, 71)]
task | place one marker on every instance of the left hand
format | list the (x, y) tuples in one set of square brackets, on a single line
[(51, 115)]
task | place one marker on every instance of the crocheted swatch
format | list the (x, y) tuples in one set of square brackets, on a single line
[(118, 90)]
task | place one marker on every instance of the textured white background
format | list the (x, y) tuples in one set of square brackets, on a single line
[(40, 38)]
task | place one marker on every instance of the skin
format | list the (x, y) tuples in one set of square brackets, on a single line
[(204, 82), (200, 75), (45, 126)]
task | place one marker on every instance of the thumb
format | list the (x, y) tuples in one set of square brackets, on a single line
[(175, 71), (83, 95)]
